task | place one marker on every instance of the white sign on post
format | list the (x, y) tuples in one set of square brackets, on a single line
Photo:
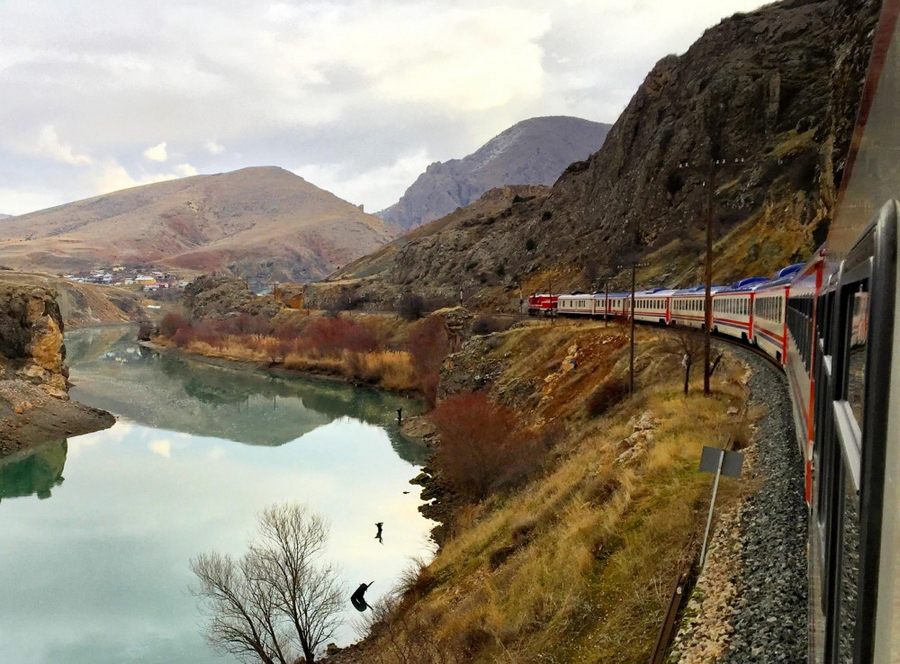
[(721, 462)]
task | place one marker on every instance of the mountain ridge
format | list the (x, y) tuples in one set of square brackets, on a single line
[(534, 151), (773, 93), (258, 222)]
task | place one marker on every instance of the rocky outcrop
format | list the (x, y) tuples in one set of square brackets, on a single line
[(218, 296), (34, 403), (534, 151), (31, 338), (762, 105)]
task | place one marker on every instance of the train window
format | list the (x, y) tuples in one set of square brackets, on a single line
[(856, 358)]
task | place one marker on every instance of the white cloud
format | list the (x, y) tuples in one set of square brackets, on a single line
[(370, 187), (112, 176), (214, 147), (185, 170), (162, 448), (356, 89), (21, 201), (157, 153), (50, 145)]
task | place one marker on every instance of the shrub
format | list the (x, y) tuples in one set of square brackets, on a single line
[(429, 345), (333, 336), (530, 244), (183, 336), (480, 445), (411, 306), (256, 326), (171, 323), (610, 392), (287, 330)]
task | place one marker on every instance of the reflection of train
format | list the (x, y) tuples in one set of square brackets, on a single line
[(831, 323)]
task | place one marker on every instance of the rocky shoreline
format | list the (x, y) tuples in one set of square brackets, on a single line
[(34, 400)]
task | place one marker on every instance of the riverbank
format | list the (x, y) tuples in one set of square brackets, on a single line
[(324, 372), (577, 562), (29, 416)]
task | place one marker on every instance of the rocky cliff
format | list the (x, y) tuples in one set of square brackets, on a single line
[(534, 151), (34, 403), (762, 106)]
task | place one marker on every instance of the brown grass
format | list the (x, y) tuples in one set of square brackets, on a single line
[(579, 562)]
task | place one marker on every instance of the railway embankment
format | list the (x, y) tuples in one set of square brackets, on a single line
[(574, 560), (750, 601)]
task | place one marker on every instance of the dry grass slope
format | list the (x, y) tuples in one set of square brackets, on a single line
[(578, 565)]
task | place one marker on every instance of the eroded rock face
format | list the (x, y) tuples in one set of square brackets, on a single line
[(34, 402), (31, 338)]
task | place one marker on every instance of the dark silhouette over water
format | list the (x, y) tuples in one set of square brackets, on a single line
[(358, 599)]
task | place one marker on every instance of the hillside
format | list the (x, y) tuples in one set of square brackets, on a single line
[(82, 305), (5, 216), (261, 223), (534, 151), (775, 89)]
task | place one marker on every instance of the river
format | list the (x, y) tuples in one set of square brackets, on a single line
[(96, 532)]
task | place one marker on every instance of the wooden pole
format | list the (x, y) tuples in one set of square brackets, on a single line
[(631, 358), (606, 306), (707, 339)]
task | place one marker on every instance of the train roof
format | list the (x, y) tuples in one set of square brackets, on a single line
[(655, 292), (697, 290), (788, 271)]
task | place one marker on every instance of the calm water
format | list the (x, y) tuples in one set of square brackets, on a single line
[(96, 532)]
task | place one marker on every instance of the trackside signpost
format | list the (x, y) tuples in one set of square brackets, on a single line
[(721, 462)]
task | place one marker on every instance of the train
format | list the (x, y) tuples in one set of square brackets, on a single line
[(831, 326)]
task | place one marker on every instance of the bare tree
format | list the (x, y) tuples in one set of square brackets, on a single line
[(277, 602), (687, 343)]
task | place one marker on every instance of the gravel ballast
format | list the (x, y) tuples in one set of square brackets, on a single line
[(770, 623), (758, 558)]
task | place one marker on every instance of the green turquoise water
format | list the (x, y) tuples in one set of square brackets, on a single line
[(96, 532)]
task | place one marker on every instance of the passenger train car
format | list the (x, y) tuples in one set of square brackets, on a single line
[(831, 324)]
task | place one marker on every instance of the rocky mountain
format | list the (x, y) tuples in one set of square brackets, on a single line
[(763, 105), (261, 223), (534, 151), (5, 216)]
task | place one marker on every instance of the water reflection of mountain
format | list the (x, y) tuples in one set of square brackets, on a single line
[(111, 371), (35, 473)]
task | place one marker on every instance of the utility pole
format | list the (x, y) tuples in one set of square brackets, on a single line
[(631, 357), (606, 306), (710, 184), (707, 337), (633, 265), (550, 311)]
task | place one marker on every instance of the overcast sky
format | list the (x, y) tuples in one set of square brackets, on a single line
[(357, 96)]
